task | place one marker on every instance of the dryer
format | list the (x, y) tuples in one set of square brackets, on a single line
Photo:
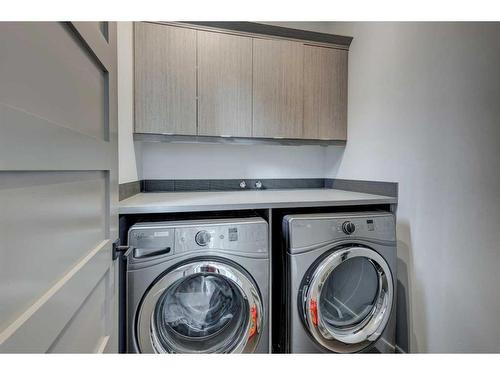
[(341, 282), (198, 286)]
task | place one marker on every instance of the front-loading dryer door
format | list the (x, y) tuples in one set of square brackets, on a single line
[(204, 306), (345, 299)]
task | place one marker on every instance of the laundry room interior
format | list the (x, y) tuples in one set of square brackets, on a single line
[(212, 187)]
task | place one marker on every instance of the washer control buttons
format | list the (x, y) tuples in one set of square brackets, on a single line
[(233, 234), (370, 225), (348, 227), (202, 238)]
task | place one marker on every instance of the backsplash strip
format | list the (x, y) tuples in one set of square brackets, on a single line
[(129, 189), (155, 186), (389, 189), (231, 184)]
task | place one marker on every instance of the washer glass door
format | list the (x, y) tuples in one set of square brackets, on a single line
[(202, 312), (346, 299), (201, 307)]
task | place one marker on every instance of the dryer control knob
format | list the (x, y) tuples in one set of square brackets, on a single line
[(348, 227), (202, 238)]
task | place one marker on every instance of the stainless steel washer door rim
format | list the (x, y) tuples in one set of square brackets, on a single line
[(360, 333), (243, 339)]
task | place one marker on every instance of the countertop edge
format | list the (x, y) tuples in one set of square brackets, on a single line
[(229, 207)]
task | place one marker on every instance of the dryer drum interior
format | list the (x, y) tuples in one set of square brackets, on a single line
[(346, 299), (201, 307)]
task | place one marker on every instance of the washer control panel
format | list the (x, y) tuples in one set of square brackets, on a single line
[(249, 236), (246, 238)]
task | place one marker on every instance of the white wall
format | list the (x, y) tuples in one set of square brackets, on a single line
[(205, 161), (424, 110), (128, 163), (190, 161)]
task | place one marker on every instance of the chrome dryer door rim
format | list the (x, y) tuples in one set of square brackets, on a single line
[(363, 334)]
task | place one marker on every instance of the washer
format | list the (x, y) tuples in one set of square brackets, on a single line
[(341, 287), (198, 286)]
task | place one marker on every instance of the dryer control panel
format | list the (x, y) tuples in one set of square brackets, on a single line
[(310, 230)]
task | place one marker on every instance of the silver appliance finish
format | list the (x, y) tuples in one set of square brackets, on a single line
[(317, 245), (233, 250)]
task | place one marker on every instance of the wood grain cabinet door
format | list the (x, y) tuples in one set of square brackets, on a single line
[(325, 93), (277, 88), (224, 84), (165, 79)]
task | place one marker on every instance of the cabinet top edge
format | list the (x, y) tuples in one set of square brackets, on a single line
[(255, 29)]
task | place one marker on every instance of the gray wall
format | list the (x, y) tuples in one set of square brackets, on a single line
[(424, 110), (186, 161)]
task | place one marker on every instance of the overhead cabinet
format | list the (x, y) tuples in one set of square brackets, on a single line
[(278, 92), (224, 84), (199, 81), (325, 93), (165, 79)]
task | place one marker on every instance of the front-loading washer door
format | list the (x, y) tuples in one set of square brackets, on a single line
[(204, 306), (345, 299)]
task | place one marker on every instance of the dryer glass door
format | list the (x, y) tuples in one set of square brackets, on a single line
[(349, 294), (347, 300), (201, 307)]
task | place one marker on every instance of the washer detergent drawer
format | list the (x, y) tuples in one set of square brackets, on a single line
[(150, 242)]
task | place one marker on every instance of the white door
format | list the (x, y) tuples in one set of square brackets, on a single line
[(58, 187)]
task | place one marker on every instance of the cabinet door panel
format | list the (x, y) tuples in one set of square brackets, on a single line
[(165, 79), (277, 88), (224, 84), (325, 93)]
